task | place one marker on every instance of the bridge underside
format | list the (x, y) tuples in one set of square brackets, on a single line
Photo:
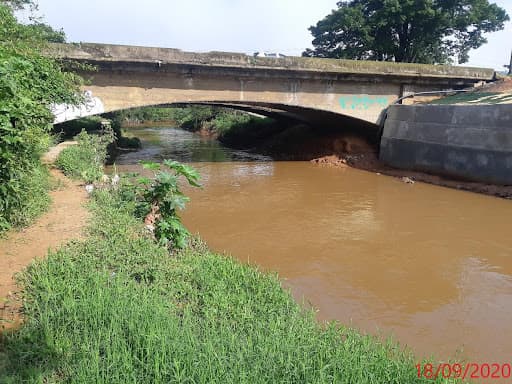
[(322, 120)]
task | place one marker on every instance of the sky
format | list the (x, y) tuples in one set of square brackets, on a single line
[(219, 25)]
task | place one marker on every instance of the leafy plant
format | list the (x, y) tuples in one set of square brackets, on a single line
[(159, 199), (29, 84), (86, 159)]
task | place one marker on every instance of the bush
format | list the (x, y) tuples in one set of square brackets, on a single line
[(158, 200), (86, 159), (31, 198), (29, 84), (129, 142), (72, 128), (145, 114)]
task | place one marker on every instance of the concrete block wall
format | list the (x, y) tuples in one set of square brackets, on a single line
[(472, 142)]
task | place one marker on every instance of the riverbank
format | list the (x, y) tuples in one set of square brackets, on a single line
[(370, 162), (64, 220), (116, 307)]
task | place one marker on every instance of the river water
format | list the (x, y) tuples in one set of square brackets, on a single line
[(429, 265)]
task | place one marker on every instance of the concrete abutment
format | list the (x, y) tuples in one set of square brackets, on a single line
[(471, 142)]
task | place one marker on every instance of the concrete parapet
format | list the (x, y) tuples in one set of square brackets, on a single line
[(472, 142), (111, 52)]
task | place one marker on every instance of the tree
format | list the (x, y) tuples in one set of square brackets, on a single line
[(29, 84), (47, 33), (415, 31), (18, 4)]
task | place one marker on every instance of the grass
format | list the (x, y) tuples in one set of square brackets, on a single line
[(85, 160), (31, 198), (473, 98)]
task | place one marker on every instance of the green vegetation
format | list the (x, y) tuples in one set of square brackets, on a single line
[(29, 84), (474, 98), (146, 114), (233, 128), (31, 199), (17, 4), (250, 131), (97, 124), (159, 199), (193, 118), (86, 159), (71, 128), (406, 31)]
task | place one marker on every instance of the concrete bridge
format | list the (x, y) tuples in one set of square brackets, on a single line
[(328, 92)]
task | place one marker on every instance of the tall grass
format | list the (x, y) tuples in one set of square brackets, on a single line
[(116, 308), (31, 200), (86, 159)]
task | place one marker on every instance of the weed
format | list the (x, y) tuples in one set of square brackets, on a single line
[(158, 200), (86, 159)]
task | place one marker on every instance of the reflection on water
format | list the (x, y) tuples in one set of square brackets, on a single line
[(171, 143), (431, 265)]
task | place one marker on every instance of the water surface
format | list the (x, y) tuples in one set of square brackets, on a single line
[(430, 265)]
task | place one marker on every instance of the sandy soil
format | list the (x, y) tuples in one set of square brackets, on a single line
[(369, 162), (64, 221), (51, 156)]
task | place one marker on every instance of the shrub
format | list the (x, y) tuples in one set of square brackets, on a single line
[(29, 84), (72, 128), (158, 200), (86, 159)]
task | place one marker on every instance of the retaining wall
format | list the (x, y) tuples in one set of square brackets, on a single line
[(472, 142)]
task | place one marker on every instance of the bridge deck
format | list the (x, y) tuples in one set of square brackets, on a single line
[(124, 53)]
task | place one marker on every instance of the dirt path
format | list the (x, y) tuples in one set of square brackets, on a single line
[(64, 221)]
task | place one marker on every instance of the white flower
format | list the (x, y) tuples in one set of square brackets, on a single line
[(115, 179)]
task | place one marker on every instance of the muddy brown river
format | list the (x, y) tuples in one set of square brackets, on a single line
[(429, 265)]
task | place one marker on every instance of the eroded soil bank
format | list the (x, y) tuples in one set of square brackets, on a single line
[(342, 149), (369, 162), (64, 221)]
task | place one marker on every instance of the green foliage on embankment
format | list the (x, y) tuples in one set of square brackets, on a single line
[(29, 84), (70, 129), (86, 159), (146, 114), (193, 118), (97, 124)]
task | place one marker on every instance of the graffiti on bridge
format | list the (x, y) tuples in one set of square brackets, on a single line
[(363, 101)]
